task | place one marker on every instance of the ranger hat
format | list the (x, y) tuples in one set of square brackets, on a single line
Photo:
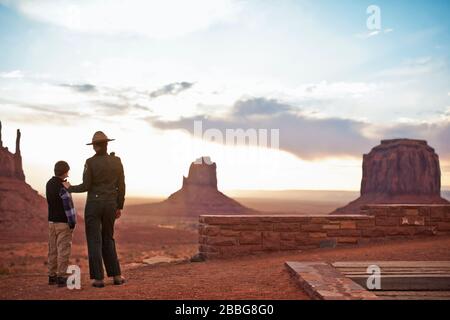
[(99, 136)]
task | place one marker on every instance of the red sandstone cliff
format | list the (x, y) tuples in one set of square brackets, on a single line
[(23, 211), (399, 171)]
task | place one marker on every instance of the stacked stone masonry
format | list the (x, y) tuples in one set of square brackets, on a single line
[(222, 236)]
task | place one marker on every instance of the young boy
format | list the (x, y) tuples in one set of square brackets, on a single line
[(62, 221)]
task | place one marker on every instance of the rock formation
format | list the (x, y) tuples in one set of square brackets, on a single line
[(199, 194), (201, 173), (399, 171), (11, 163), (22, 210)]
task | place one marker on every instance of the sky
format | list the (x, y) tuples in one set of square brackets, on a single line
[(318, 74)]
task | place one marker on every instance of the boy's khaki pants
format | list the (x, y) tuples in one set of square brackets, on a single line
[(59, 246)]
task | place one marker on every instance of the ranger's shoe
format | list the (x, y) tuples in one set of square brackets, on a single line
[(98, 284), (52, 280), (119, 280)]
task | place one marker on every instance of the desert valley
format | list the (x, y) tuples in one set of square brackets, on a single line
[(158, 238)]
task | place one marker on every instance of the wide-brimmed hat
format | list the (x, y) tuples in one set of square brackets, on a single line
[(99, 136)]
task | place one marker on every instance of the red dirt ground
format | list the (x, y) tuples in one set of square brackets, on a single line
[(253, 277)]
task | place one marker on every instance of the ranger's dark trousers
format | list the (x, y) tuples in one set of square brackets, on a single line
[(99, 220)]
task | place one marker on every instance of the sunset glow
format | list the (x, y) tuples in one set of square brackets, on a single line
[(312, 71)]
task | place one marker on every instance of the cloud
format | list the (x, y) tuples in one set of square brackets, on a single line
[(312, 138), (414, 67), (156, 18), (370, 34), (436, 133), (41, 113), (306, 137), (121, 107), (40, 107), (107, 105), (171, 89), (16, 74), (259, 106), (81, 87)]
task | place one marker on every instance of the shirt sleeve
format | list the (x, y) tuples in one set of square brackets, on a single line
[(47, 193), (87, 180), (69, 208), (121, 187)]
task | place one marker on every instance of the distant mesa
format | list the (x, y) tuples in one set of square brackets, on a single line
[(202, 172), (199, 194), (22, 210), (399, 171)]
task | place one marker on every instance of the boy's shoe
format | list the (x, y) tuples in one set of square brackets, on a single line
[(52, 280), (98, 284), (61, 281), (119, 280)]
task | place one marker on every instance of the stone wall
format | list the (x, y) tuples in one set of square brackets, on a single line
[(222, 236)]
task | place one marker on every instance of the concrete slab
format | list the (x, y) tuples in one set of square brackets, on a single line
[(321, 281)]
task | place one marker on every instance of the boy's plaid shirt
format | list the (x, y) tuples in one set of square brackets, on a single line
[(69, 208)]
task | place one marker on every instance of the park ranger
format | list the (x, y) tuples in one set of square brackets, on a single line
[(104, 181)]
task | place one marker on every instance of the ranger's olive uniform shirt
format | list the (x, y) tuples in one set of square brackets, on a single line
[(103, 179)]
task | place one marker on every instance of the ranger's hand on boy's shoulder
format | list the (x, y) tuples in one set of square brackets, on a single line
[(66, 184)]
